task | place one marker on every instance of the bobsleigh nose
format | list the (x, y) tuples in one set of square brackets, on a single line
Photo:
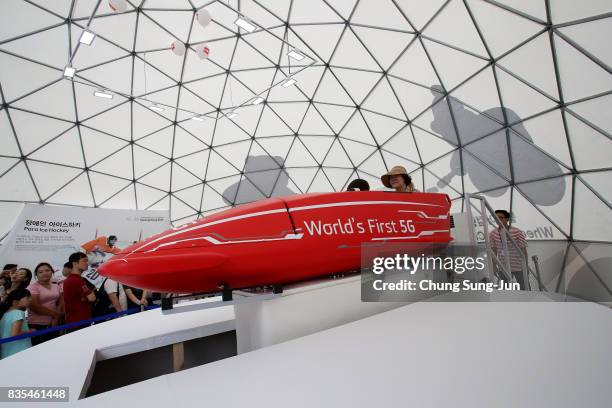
[(115, 268), (166, 271)]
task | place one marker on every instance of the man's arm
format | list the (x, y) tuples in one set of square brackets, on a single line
[(130, 295), (115, 301), (112, 289)]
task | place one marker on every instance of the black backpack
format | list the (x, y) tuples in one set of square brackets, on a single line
[(102, 305)]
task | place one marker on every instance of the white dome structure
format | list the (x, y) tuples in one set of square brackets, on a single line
[(508, 98)]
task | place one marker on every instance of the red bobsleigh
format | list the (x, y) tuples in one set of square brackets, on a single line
[(279, 240)]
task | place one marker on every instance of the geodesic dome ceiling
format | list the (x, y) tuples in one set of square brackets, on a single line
[(509, 98)]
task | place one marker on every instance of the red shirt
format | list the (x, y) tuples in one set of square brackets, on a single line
[(75, 299)]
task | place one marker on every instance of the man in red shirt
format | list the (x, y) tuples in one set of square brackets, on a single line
[(78, 298)]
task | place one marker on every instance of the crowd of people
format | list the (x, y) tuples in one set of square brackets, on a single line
[(48, 301)]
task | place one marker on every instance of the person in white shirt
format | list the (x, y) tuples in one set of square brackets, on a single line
[(116, 295)]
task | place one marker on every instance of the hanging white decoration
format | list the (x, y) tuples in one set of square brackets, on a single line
[(203, 17), (202, 50), (118, 6), (178, 48)]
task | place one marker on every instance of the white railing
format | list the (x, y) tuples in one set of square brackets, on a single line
[(502, 266)]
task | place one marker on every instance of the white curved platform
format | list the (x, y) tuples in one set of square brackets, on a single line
[(429, 354), (68, 360)]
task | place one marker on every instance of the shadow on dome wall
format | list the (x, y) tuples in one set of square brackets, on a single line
[(587, 272), (528, 162), (587, 282), (264, 177)]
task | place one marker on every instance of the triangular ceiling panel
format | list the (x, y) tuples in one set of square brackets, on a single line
[(357, 129), (65, 149), (147, 196), (124, 200), (395, 42), (17, 184), (384, 101), (145, 161), (276, 147), (41, 47), (403, 145), (21, 18), (195, 163), (379, 14), (580, 76), (115, 121), (49, 101), (415, 65), (7, 136), (528, 218), (357, 83), (351, 53), (469, 96), (330, 91), (339, 178), (587, 36), (521, 99), (452, 65), (14, 68), (292, 114), (160, 142), (592, 149), (534, 195), (322, 39), (97, 145), (181, 179), (104, 187), (320, 183), (596, 112), (114, 164), (77, 192), (159, 178), (299, 156), (453, 26), (383, 127), (540, 75), (314, 124), (318, 146), (501, 29), (312, 11), (50, 177), (419, 13), (191, 197), (33, 131), (337, 116)]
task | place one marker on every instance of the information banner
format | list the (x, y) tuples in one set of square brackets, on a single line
[(44, 233)]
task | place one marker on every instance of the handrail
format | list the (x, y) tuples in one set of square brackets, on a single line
[(75, 324), (527, 271)]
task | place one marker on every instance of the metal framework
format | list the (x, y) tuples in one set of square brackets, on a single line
[(362, 103)]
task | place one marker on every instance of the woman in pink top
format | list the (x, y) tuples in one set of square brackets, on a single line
[(47, 305)]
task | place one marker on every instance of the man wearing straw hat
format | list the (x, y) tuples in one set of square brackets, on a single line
[(398, 179)]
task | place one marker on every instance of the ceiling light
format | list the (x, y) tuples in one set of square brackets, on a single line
[(295, 55), (288, 82), (199, 118), (257, 100), (232, 114), (156, 108), (100, 93), (245, 24), (87, 37), (69, 72)]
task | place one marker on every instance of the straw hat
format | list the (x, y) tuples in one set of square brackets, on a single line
[(396, 170)]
